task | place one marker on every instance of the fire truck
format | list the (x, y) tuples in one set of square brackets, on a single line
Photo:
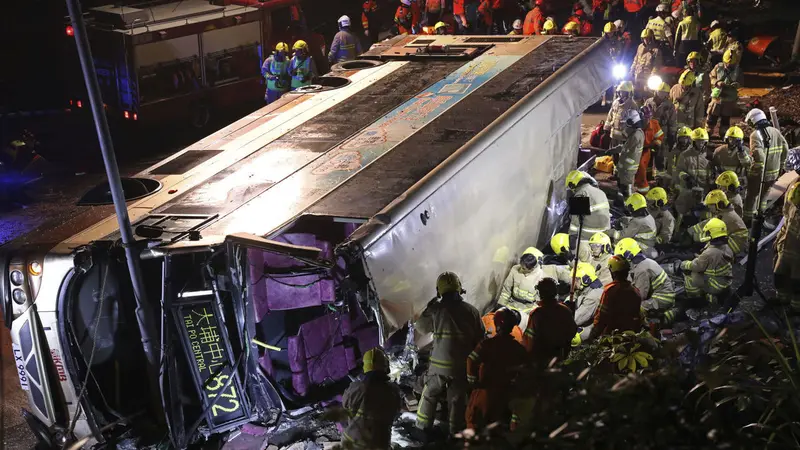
[(162, 63)]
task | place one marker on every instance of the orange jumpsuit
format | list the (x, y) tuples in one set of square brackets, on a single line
[(404, 19), (488, 324), (653, 136), (534, 21), (551, 327), (620, 309), (491, 369)]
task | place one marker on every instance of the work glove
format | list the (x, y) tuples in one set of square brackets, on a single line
[(686, 266)]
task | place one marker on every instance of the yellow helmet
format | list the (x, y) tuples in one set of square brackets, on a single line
[(600, 238), (281, 47), (627, 248), (658, 196), (716, 198), (574, 177), (571, 26), (700, 134), (375, 360), (439, 25), (687, 78), (585, 274), (618, 264), (713, 229), (448, 282), (663, 87), (728, 180), (734, 132), (684, 132), (625, 86), (560, 243), (693, 55), (727, 57), (300, 45), (549, 24), (636, 201), (533, 251), (609, 27), (648, 33)]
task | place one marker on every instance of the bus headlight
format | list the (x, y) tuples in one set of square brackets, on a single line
[(19, 296), (17, 278)]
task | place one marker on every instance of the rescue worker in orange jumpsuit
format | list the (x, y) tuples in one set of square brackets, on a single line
[(487, 10), (551, 326), (653, 138), (534, 20), (370, 20), (491, 367), (620, 305), (372, 404), (635, 16), (579, 16), (457, 329), (488, 324), (433, 11), (404, 18)]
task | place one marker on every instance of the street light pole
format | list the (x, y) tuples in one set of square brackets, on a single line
[(144, 314)]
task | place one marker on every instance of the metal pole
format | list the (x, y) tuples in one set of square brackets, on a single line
[(144, 315), (796, 46)]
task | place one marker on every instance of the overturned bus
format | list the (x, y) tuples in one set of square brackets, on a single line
[(279, 249)]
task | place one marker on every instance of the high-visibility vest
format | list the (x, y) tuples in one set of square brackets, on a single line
[(633, 6), (403, 17), (658, 26), (533, 22), (299, 70), (277, 69)]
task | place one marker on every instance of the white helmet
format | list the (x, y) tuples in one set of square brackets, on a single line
[(406, 2), (661, 8), (714, 23), (517, 25), (619, 24), (631, 115), (754, 116), (344, 21)]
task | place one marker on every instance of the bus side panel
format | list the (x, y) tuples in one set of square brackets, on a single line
[(500, 193)]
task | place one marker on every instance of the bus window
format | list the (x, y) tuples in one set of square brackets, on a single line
[(231, 53)]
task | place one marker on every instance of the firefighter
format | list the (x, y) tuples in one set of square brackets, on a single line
[(662, 32), (726, 78), (732, 156), (346, 45), (275, 70), (588, 290), (640, 225), (653, 138), (736, 48), (648, 61), (491, 368), (652, 282), (693, 172), (687, 36), (669, 177), (571, 29), (578, 17), (516, 28), (581, 184), (717, 41), (601, 249), (635, 17), (729, 183), (534, 20), (710, 274), (404, 18), (718, 205), (433, 11), (457, 329), (623, 103), (557, 266), (372, 404), (686, 97), (370, 20), (301, 67), (702, 81), (620, 303), (551, 326), (549, 26), (658, 204), (786, 263), (491, 330), (664, 113), (519, 288), (768, 147), (440, 28), (630, 152)]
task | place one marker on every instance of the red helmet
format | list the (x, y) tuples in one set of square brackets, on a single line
[(578, 9), (539, 2), (505, 319)]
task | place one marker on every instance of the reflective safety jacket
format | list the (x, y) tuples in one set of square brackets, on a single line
[(276, 73), (688, 30), (736, 49), (731, 79), (630, 152), (601, 267), (404, 19), (493, 361), (633, 6), (620, 309), (586, 303), (738, 204), (642, 229), (686, 100), (519, 289), (717, 40), (613, 121), (600, 218), (787, 244), (654, 286), (550, 330), (665, 225), (373, 404), (725, 159), (693, 168), (302, 71), (775, 153), (666, 116), (738, 236), (345, 47), (368, 9), (457, 328), (648, 60), (534, 22), (661, 30), (715, 265)]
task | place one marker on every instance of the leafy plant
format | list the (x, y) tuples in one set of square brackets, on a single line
[(626, 352)]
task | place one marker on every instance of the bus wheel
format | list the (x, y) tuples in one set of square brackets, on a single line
[(200, 115)]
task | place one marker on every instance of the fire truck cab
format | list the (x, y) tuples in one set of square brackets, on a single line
[(182, 61)]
